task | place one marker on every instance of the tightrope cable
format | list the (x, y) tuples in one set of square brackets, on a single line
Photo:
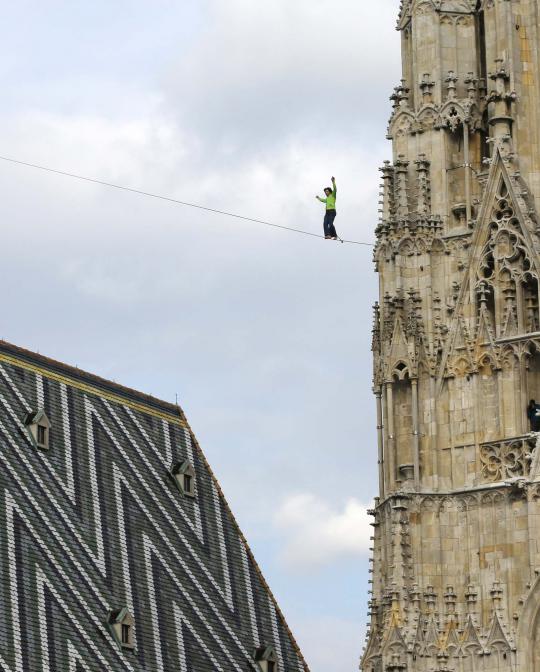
[(173, 200)]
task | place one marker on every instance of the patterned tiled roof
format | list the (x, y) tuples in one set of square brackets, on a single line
[(95, 525)]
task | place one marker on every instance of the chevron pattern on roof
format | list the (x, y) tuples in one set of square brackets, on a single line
[(96, 524)]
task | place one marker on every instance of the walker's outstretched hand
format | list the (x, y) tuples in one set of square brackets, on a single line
[(333, 179)]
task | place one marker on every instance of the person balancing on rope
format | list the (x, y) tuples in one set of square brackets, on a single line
[(330, 214)]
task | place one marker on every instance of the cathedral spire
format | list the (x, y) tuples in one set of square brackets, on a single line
[(456, 345)]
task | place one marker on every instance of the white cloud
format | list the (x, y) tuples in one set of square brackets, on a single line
[(261, 332), (262, 72), (317, 534), (150, 153), (333, 643)]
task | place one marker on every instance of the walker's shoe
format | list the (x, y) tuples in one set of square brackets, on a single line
[(328, 237), (334, 237)]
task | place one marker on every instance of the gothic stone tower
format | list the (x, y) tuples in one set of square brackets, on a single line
[(456, 543)]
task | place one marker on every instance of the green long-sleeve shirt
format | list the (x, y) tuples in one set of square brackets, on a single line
[(330, 200)]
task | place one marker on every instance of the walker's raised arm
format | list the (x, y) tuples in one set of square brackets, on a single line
[(334, 185)]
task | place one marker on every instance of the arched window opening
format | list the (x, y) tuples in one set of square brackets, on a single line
[(503, 190), (407, 51), (481, 40), (403, 418), (533, 387), (487, 270), (401, 368)]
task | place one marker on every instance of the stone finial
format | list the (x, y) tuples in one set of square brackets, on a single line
[(415, 596), (509, 293), (395, 98), (426, 87), (451, 85), (387, 191), (376, 340), (398, 305), (400, 96), (531, 309), (501, 119), (471, 82), (404, 94), (510, 318), (389, 311), (450, 600), (471, 596), (483, 293), (423, 185), (501, 78), (500, 73), (401, 187), (430, 597), (496, 594), (450, 597)]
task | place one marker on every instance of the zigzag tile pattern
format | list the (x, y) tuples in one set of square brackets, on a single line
[(95, 524)]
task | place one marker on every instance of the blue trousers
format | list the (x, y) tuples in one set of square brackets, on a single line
[(329, 228)]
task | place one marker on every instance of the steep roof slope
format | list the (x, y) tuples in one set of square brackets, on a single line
[(94, 527)]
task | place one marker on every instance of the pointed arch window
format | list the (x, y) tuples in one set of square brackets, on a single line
[(38, 426), (183, 475), (401, 372)]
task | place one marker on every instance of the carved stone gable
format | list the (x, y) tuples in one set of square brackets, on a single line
[(499, 296), (456, 346)]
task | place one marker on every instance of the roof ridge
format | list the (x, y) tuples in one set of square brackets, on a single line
[(98, 382)]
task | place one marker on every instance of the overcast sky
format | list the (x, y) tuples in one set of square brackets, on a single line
[(263, 334)]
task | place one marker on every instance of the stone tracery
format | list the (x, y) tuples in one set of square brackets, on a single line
[(506, 459), (457, 346)]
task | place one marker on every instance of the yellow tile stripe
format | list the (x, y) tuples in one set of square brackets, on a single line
[(93, 390)]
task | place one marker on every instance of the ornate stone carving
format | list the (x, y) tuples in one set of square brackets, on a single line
[(423, 201), (401, 192), (452, 114), (506, 459), (456, 346), (426, 87)]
